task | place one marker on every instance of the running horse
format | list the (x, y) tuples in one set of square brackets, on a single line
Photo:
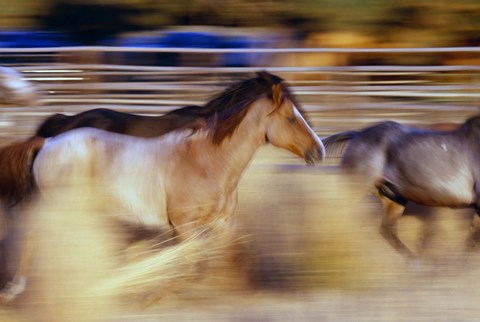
[(186, 177), (401, 164)]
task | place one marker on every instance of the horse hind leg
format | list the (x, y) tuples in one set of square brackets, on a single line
[(16, 247), (429, 230), (472, 242), (388, 229)]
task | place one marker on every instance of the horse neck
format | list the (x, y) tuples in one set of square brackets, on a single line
[(236, 152)]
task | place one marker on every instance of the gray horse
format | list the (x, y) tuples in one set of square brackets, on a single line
[(401, 164)]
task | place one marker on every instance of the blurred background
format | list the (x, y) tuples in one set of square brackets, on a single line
[(311, 236), (412, 61)]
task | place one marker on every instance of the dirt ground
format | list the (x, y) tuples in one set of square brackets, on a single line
[(313, 249)]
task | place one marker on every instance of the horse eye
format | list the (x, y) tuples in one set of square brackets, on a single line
[(292, 120)]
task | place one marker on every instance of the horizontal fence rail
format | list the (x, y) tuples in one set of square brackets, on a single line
[(339, 88), (241, 50)]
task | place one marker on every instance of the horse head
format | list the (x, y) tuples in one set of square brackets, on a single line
[(283, 124), (288, 129)]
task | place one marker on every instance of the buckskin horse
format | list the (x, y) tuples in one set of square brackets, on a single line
[(184, 178)]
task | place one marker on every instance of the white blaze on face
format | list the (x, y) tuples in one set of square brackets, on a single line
[(300, 118)]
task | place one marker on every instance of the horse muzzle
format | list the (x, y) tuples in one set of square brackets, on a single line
[(316, 155)]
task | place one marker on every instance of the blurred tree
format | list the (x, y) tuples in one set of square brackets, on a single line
[(89, 23), (391, 22)]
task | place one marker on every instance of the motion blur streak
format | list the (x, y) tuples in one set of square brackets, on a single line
[(307, 235), (73, 251)]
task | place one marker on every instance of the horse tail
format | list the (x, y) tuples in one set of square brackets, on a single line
[(335, 144), (16, 177)]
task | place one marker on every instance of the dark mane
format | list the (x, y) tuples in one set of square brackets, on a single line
[(190, 110), (221, 115), (120, 122), (226, 110)]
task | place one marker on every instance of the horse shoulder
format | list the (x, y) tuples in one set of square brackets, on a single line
[(191, 180)]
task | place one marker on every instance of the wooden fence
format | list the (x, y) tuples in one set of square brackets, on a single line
[(356, 87)]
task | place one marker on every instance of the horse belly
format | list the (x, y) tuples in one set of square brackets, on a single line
[(433, 173), (140, 203), (368, 165), (453, 192)]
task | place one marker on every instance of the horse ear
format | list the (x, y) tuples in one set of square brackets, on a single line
[(277, 95)]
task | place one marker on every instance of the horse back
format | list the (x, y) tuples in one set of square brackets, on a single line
[(100, 118), (16, 176), (119, 122), (370, 143), (51, 126)]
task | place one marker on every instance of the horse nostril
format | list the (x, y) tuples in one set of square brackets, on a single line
[(321, 152), (315, 154), (318, 153), (309, 159)]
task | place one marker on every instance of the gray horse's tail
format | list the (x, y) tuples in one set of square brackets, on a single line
[(335, 145)]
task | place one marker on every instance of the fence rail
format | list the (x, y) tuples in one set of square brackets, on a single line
[(340, 88), (240, 50)]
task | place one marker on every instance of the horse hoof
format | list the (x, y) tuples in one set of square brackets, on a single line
[(13, 289)]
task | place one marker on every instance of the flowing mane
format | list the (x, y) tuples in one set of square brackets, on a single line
[(226, 110), (220, 116), (189, 110)]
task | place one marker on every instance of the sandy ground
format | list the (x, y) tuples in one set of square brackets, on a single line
[(313, 248)]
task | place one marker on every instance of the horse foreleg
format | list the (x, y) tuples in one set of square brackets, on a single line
[(392, 212), (472, 240), (18, 284)]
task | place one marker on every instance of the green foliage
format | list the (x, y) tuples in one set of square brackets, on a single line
[(88, 23), (446, 23)]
